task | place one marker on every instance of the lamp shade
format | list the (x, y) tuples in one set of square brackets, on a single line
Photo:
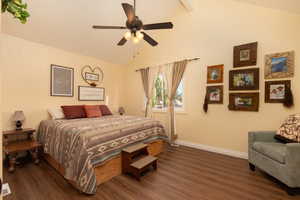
[(121, 110), (18, 116)]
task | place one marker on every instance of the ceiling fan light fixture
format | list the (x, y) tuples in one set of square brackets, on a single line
[(127, 35), (139, 35), (135, 40)]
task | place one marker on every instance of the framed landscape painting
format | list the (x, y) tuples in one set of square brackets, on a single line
[(245, 79), (245, 55), (215, 74), (62, 81), (275, 91), (244, 102), (215, 94), (280, 65)]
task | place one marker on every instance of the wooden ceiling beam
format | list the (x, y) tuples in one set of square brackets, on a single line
[(187, 4)]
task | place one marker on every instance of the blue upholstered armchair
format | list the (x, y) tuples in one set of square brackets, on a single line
[(279, 160)]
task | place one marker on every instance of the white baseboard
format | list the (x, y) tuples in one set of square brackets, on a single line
[(227, 152)]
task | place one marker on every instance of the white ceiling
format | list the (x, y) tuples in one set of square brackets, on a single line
[(288, 5), (67, 25)]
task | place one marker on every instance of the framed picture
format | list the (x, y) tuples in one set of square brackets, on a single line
[(215, 94), (244, 102), (280, 65), (245, 79), (215, 74), (91, 76), (275, 91), (86, 93), (245, 55), (62, 81)]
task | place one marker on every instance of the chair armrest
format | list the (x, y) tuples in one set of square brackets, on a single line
[(293, 154), (260, 136)]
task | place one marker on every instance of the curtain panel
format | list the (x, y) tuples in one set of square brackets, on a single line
[(177, 75)]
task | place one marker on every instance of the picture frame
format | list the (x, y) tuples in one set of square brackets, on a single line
[(86, 93), (61, 81), (245, 55), (91, 76), (244, 79), (215, 94), (215, 74), (244, 102), (280, 65), (275, 91)]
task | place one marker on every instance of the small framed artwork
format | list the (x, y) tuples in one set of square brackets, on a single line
[(245, 79), (245, 55), (215, 74), (86, 93), (62, 81), (280, 65), (275, 91), (91, 76), (244, 102), (215, 94)]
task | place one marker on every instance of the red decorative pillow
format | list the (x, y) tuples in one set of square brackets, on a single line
[(74, 112), (92, 111), (105, 110)]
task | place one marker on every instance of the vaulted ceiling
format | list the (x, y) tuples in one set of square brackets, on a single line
[(66, 24)]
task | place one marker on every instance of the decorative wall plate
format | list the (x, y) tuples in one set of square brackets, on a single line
[(92, 76)]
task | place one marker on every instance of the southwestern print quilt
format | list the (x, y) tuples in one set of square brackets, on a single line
[(79, 145)]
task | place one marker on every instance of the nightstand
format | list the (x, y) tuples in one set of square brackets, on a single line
[(11, 149)]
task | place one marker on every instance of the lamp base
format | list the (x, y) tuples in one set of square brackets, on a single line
[(19, 125)]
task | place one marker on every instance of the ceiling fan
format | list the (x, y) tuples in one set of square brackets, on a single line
[(136, 27)]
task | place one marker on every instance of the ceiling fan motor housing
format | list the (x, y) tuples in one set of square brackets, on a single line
[(135, 25)]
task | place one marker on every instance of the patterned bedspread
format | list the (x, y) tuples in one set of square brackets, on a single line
[(81, 144)]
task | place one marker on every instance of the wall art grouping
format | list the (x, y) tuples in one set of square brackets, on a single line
[(62, 83), (277, 66)]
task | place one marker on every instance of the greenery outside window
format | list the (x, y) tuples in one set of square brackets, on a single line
[(160, 95)]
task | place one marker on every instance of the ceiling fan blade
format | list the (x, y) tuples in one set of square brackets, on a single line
[(122, 42), (149, 39), (109, 27), (166, 25), (129, 11)]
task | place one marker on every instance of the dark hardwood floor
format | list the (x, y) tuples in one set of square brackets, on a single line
[(183, 173)]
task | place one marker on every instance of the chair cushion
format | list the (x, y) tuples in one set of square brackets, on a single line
[(273, 150)]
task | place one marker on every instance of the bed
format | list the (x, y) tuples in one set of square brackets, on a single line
[(87, 151)]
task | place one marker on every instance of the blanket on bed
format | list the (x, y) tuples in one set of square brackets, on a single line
[(81, 144)]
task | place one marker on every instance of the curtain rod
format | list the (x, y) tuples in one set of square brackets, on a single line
[(189, 60)]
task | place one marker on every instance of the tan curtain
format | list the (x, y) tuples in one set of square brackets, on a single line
[(177, 75), (148, 77), (146, 85)]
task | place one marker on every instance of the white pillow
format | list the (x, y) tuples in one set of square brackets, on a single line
[(56, 113)]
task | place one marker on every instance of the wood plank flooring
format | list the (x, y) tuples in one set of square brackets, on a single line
[(183, 173)]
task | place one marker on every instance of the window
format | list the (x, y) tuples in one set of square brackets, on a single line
[(160, 97)]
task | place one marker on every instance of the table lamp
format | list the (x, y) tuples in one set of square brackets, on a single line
[(121, 111), (18, 118)]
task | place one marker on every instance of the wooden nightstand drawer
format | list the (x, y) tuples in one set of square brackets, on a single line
[(20, 146)]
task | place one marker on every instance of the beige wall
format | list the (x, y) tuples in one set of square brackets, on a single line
[(1, 164), (25, 70), (210, 32)]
